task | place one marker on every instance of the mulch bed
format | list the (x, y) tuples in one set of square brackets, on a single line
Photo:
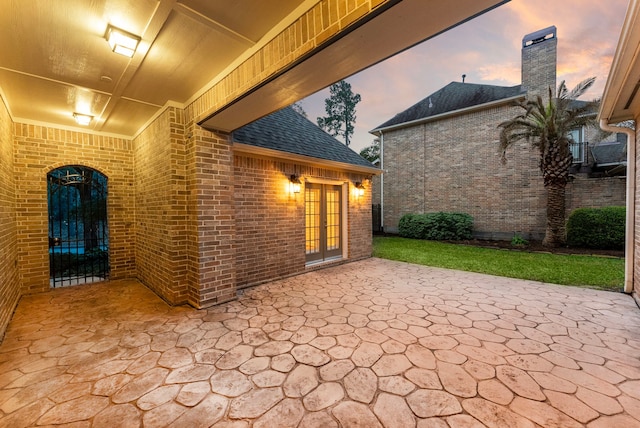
[(536, 246)]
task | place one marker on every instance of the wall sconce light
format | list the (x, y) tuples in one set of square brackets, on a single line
[(359, 189), (121, 42), (82, 119), (294, 183)]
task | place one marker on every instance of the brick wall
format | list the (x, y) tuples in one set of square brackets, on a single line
[(586, 192), (9, 283), (161, 207), (360, 244), (376, 183), (270, 237), (454, 165), (40, 149)]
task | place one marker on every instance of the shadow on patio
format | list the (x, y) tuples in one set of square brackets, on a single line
[(370, 343)]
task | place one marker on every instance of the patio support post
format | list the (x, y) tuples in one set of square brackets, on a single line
[(630, 212), (212, 275)]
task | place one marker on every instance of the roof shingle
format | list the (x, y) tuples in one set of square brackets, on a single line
[(288, 131), (454, 96)]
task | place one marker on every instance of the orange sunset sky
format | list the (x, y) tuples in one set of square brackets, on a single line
[(487, 50)]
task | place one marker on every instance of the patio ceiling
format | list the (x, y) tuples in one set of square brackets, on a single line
[(54, 59)]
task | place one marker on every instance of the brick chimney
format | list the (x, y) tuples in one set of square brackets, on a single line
[(539, 59)]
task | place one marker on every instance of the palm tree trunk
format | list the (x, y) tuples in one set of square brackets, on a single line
[(555, 235)]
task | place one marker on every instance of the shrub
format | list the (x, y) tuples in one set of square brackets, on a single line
[(439, 226), (518, 241), (601, 228)]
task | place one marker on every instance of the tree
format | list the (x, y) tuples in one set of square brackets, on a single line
[(546, 125), (341, 111), (372, 152), (297, 107)]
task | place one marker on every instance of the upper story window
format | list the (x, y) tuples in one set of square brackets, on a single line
[(577, 146)]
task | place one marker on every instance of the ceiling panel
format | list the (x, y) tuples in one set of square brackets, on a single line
[(64, 40), (250, 18), (26, 94), (185, 56), (128, 117)]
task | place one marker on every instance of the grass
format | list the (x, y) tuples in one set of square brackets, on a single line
[(590, 271)]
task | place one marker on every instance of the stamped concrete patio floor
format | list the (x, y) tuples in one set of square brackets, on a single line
[(366, 344)]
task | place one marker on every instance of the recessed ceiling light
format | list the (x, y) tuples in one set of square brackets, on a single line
[(82, 119), (121, 42)]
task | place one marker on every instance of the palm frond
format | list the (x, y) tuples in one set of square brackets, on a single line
[(581, 88), (546, 123)]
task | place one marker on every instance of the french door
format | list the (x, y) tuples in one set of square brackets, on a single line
[(323, 221)]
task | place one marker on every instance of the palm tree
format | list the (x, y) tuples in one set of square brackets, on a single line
[(546, 125)]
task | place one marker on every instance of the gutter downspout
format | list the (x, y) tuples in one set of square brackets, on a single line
[(630, 214), (382, 182)]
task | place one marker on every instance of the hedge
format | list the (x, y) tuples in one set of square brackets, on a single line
[(439, 226), (601, 228)]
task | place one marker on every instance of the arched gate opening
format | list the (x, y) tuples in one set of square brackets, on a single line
[(78, 230)]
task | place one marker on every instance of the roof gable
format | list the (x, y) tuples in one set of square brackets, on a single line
[(454, 96), (288, 131)]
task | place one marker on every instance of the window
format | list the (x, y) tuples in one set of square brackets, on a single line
[(577, 145)]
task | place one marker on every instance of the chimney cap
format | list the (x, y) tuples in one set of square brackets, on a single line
[(539, 36)]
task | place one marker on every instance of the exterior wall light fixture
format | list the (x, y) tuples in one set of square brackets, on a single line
[(82, 119), (121, 42), (294, 183), (359, 189)]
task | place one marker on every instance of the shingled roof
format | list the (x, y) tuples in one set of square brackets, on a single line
[(288, 131), (454, 96)]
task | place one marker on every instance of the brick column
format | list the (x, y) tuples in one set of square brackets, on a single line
[(212, 276)]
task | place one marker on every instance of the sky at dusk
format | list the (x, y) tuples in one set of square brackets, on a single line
[(487, 49)]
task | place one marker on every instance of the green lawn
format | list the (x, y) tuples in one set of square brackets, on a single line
[(591, 271)]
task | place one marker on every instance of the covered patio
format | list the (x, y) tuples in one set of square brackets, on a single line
[(370, 343)]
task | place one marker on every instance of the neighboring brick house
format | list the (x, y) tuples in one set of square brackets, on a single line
[(442, 154)]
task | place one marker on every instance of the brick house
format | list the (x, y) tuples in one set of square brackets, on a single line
[(191, 212), (441, 154), (280, 233)]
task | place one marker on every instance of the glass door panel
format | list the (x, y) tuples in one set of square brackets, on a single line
[(323, 221)]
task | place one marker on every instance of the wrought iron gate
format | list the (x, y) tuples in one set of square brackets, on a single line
[(78, 231)]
